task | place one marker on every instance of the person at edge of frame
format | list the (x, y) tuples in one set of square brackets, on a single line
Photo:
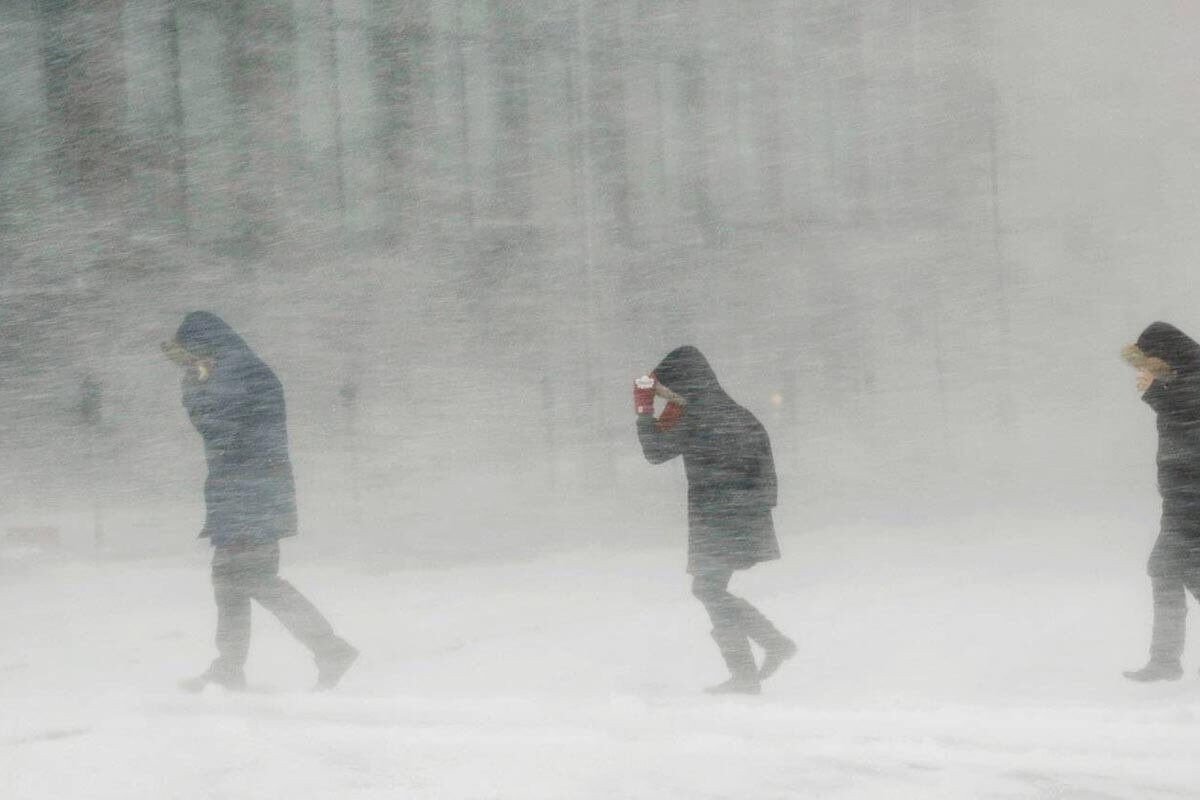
[(1168, 365), (731, 490), (236, 404)]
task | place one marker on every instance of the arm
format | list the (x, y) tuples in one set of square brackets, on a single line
[(234, 428), (659, 446), (261, 444), (660, 442), (270, 494), (208, 406)]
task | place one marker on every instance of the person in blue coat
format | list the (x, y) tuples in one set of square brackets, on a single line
[(236, 404), (732, 489)]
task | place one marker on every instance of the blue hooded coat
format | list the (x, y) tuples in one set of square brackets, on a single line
[(238, 409)]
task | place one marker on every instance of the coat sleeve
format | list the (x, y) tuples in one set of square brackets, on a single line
[(260, 413), (238, 410), (214, 409), (658, 446), (255, 409)]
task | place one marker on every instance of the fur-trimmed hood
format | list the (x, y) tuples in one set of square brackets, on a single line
[(1164, 343)]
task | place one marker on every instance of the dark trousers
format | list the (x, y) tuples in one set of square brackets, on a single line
[(1174, 570), (251, 572), (735, 622)]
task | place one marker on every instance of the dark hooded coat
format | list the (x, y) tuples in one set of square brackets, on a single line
[(1176, 402), (239, 412), (730, 470)]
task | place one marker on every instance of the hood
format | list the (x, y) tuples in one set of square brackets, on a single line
[(686, 372), (1164, 341), (206, 334)]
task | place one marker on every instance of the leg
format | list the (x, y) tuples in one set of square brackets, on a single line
[(233, 611), (1166, 571), (725, 608), (302, 619), (710, 588), (1191, 581), (1168, 565), (233, 624), (778, 647), (748, 619), (1170, 619), (757, 626), (298, 615)]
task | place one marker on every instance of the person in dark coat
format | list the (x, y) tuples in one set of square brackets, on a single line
[(236, 404), (731, 490), (1168, 364)]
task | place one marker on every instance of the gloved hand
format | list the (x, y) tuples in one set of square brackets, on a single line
[(643, 394), (670, 416)]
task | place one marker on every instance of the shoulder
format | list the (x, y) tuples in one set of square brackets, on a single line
[(731, 419), (251, 371), (267, 376), (745, 419), (1188, 383), (1185, 389), (753, 430)]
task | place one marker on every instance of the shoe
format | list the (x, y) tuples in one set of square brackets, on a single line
[(231, 680), (735, 649), (736, 686), (1156, 672), (775, 657), (332, 666)]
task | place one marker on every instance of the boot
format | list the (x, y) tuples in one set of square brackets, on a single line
[(233, 680), (775, 656), (735, 649), (1156, 671), (735, 686), (762, 631), (332, 665)]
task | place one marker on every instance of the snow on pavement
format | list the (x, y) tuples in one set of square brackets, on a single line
[(979, 662)]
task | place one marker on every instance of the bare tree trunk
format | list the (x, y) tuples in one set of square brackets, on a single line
[(335, 101), (467, 171), (261, 37), (179, 121), (85, 95), (509, 45), (401, 36), (1003, 290), (692, 65), (602, 44), (582, 94)]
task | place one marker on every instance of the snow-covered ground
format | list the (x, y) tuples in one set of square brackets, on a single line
[(982, 661)]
